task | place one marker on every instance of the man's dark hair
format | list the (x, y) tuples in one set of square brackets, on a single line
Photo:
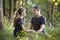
[(36, 7)]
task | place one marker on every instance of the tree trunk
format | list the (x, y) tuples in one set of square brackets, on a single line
[(52, 16), (48, 14), (14, 5), (4, 7), (1, 16), (59, 7), (11, 10), (17, 4)]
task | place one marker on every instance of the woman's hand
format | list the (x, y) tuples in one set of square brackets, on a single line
[(30, 30), (33, 31)]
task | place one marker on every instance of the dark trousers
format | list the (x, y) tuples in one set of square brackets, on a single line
[(16, 33)]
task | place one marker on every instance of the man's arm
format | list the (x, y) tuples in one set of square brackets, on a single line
[(42, 26)]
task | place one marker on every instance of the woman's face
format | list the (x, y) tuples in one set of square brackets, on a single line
[(24, 13)]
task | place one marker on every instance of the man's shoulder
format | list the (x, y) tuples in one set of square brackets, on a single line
[(43, 17), (33, 17)]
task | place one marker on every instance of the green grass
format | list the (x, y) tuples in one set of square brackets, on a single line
[(7, 34)]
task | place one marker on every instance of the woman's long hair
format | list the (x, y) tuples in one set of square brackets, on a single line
[(18, 13)]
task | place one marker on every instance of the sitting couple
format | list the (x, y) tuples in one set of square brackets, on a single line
[(37, 22)]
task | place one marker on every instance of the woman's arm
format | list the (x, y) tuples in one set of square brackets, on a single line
[(26, 30)]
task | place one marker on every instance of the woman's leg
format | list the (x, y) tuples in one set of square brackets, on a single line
[(15, 33)]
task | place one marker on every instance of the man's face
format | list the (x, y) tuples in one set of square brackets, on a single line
[(36, 12)]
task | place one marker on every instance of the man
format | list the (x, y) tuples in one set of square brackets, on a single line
[(38, 21)]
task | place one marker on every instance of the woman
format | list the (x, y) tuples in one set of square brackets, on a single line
[(19, 21)]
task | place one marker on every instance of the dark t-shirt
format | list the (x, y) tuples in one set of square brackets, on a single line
[(18, 24), (37, 22)]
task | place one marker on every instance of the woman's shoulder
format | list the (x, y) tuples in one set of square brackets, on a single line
[(19, 19)]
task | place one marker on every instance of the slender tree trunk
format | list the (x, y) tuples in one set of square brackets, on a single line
[(14, 5), (4, 7), (17, 4), (11, 10), (48, 14), (1, 16), (59, 7), (52, 14)]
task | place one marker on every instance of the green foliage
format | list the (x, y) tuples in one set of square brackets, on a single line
[(8, 34), (45, 6)]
